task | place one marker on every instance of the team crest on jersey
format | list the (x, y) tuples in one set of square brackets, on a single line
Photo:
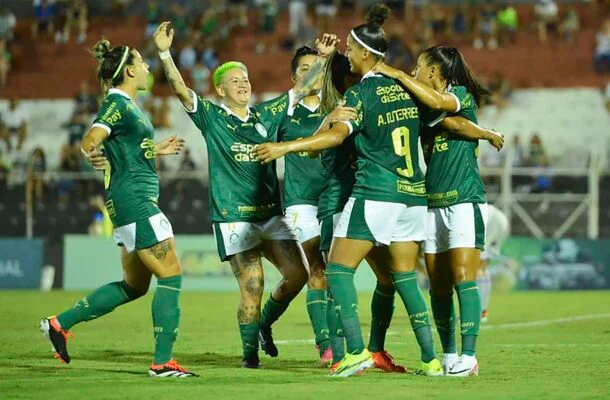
[(261, 129)]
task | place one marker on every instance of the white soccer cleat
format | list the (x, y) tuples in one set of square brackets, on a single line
[(449, 360), (466, 366)]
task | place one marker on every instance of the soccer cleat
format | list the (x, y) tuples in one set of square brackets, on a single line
[(466, 366), (252, 362), (170, 369), (449, 360), (51, 329), (352, 364), (265, 337), (383, 360), (326, 359), (484, 316), (432, 368)]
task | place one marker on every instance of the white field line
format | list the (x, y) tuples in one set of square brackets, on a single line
[(528, 324)]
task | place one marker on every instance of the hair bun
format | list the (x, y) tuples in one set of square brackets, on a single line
[(378, 14), (101, 50)]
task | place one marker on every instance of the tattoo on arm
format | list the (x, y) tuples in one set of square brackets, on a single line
[(177, 83), (303, 89), (160, 250)]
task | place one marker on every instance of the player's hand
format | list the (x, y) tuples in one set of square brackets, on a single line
[(171, 146), (496, 139), (95, 157), (342, 113), (326, 44), (385, 69), (268, 152), (163, 36)]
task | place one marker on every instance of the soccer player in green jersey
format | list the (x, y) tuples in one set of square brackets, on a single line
[(303, 185), (245, 202), (140, 228), (339, 171), (457, 203), (388, 202)]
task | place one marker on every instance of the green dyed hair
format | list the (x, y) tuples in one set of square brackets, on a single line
[(222, 70)]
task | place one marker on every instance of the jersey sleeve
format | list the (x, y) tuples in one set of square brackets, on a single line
[(200, 113), (353, 99), (110, 116), (273, 112), (465, 100)]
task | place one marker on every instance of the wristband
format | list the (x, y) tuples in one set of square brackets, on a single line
[(164, 55)]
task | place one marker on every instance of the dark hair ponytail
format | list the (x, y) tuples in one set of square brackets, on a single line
[(455, 70), (371, 33), (109, 68)]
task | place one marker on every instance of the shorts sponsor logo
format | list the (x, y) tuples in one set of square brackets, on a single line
[(234, 238), (298, 232)]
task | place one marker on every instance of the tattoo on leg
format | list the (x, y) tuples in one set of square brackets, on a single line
[(160, 250), (255, 285), (248, 313)]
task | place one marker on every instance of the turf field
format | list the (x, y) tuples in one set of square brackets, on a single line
[(536, 345)]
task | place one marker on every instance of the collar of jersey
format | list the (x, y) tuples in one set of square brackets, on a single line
[(369, 74), (291, 101), (119, 92), (230, 112)]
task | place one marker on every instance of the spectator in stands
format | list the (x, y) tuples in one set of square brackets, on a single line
[(77, 126), (101, 224), (69, 163), (45, 13), (508, 23), (460, 21), (547, 14), (306, 33), (15, 122), (519, 158), (161, 114), (543, 179), (5, 62), (36, 166), (570, 26), (5, 168), (7, 24), (268, 16), (153, 17), (326, 13), (602, 49), (85, 100), (297, 13), (438, 20), (76, 15), (201, 78), (486, 28), (238, 10), (398, 54), (188, 56), (537, 153), (500, 89), (187, 163), (179, 18)]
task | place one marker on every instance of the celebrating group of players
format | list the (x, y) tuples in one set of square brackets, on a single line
[(349, 131)]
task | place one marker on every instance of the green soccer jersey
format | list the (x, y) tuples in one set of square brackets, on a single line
[(241, 188), (303, 176), (386, 133), (339, 166), (453, 175), (131, 181)]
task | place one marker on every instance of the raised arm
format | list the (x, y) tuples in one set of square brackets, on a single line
[(468, 129), (325, 46), (163, 41), (268, 152), (446, 102)]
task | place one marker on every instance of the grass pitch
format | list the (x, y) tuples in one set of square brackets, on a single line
[(536, 345)]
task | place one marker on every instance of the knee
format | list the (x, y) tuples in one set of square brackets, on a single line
[(441, 287), (252, 287), (135, 290), (317, 279)]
